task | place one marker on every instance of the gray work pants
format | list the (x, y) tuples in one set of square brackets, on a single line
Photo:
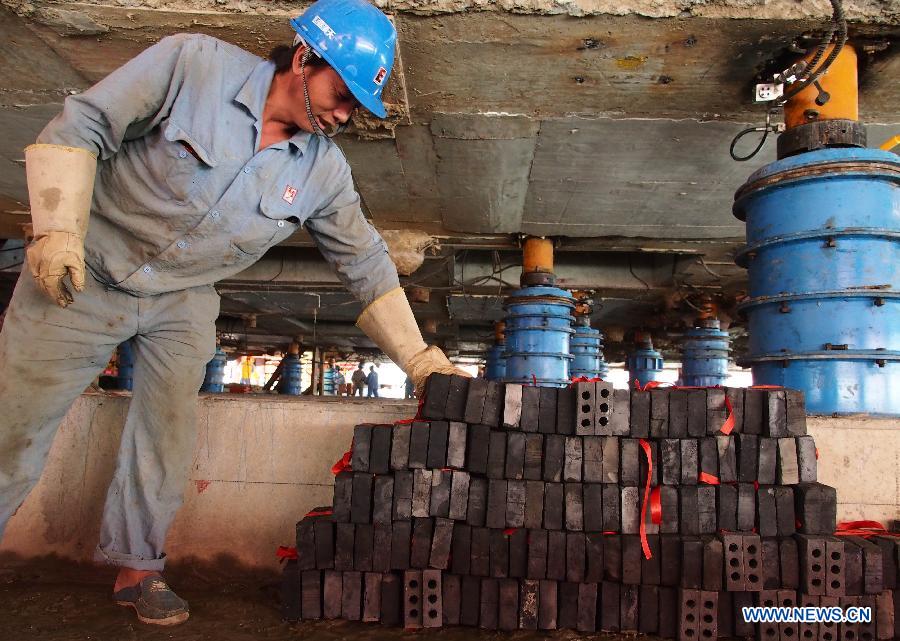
[(48, 355)]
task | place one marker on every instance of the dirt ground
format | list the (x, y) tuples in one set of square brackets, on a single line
[(50, 601)]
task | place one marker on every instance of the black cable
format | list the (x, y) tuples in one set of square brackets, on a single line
[(762, 141), (840, 22)]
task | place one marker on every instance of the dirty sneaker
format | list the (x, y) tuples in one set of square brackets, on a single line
[(154, 601)]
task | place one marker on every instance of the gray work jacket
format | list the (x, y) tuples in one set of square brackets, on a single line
[(182, 196)]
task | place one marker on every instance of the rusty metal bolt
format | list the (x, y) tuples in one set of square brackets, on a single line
[(879, 302), (811, 114), (830, 242), (785, 308)]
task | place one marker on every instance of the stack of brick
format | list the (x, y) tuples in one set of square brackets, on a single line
[(510, 506)]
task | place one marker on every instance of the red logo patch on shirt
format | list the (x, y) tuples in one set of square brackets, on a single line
[(379, 77), (289, 194)]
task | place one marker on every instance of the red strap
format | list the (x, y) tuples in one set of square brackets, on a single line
[(650, 385), (585, 379), (343, 463), (766, 387), (865, 529), (817, 453), (729, 422), (534, 380), (646, 546), (318, 513), (509, 531), (655, 506), (284, 552), (709, 479)]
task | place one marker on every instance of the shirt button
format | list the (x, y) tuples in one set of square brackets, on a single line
[(181, 244), (281, 223), (147, 269), (215, 214), (182, 154), (247, 170)]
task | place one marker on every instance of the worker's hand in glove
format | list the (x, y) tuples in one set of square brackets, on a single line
[(428, 361), (51, 258)]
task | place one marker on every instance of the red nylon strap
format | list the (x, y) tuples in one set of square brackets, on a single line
[(343, 463), (864, 529), (709, 479), (655, 506), (729, 422), (509, 531), (284, 552), (585, 379), (318, 513), (534, 380), (650, 385), (644, 544)]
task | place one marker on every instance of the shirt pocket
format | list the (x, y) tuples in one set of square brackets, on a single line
[(276, 220), (187, 164)]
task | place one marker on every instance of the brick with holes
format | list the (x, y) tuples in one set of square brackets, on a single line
[(432, 604), (688, 614), (585, 402), (412, 599)]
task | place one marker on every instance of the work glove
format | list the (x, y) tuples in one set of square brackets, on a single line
[(60, 187), (389, 322)]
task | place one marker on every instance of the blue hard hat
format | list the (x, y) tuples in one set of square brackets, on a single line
[(357, 40)]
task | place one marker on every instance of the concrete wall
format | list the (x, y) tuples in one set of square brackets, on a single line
[(262, 462)]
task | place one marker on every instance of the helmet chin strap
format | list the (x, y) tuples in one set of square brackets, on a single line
[(309, 114)]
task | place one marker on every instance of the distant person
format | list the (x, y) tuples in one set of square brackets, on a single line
[(372, 382), (338, 380), (409, 388), (246, 370), (359, 380)]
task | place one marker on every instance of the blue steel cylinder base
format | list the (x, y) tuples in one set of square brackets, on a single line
[(823, 256), (587, 351), (495, 367), (705, 356), (214, 381), (645, 364), (290, 375), (538, 328)]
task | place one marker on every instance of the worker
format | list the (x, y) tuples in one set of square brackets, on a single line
[(359, 380), (372, 382), (337, 379), (179, 169), (246, 370)]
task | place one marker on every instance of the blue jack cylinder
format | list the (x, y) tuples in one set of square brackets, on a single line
[(495, 368), (328, 382), (214, 381), (290, 375), (823, 255), (495, 365), (538, 329), (645, 364), (125, 378), (587, 350), (705, 355)]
